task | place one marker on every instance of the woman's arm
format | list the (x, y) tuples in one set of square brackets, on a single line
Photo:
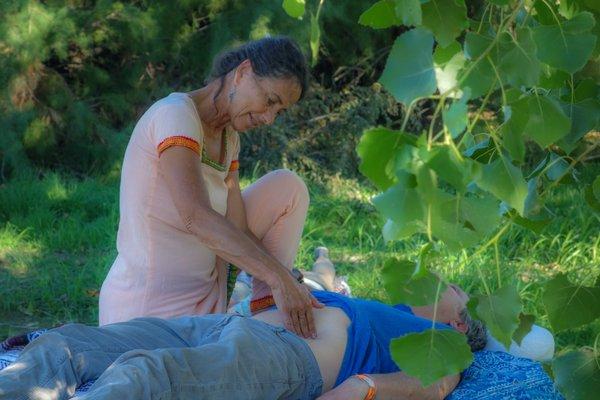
[(236, 211), (181, 169), (393, 386)]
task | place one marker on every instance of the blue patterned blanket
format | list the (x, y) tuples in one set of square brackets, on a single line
[(492, 375)]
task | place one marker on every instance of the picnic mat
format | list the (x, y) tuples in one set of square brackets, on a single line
[(492, 375)]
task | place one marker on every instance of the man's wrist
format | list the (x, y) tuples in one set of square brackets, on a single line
[(369, 384)]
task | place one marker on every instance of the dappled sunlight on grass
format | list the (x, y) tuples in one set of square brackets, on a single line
[(56, 189), (57, 241), (17, 250)]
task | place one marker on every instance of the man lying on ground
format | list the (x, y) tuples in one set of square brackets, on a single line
[(237, 357), (323, 276)]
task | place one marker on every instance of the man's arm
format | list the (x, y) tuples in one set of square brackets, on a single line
[(393, 386)]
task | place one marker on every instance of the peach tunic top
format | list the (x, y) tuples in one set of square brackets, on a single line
[(161, 269)]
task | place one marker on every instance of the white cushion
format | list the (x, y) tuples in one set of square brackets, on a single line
[(537, 345)]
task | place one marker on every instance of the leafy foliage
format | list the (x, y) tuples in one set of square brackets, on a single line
[(410, 78), (577, 374), (432, 354), (410, 283), (532, 67), (294, 8), (570, 306), (500, 311), (526, 321)]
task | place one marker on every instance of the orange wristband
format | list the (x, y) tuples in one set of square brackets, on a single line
[(372, 388)]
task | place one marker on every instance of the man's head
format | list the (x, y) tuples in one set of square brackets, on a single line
[(452, 310)]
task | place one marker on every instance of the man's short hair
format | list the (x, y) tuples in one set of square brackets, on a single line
[(476, 331)]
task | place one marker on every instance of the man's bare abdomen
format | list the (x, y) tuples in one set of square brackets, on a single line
[(329, 347)]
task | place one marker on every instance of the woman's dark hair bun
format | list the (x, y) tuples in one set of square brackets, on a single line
[(272, 57)]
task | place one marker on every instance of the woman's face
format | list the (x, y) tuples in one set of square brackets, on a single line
[(257, 101)]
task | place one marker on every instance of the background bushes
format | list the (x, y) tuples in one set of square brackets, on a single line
[(76, 74)]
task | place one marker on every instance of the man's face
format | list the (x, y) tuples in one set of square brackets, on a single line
[(451, 302)]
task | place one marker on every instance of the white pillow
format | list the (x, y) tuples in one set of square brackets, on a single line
[(537, 345)]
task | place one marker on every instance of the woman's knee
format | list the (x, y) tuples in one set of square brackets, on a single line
[(289, 182)]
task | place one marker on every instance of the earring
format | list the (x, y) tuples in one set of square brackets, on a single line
[(231, 94)]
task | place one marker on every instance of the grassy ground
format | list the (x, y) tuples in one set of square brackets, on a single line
[(57, 236)]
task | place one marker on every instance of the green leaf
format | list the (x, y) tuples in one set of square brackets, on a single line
[(534, 225), (427, 184), (481, 78), (570, 306), (408, 78), (409, 12), (444, 218), (569, 8), (452, 169), (525, 323), (513, 129), (455, 117), (472, 307), (596, 188), (537, 117), (546, 12), (552, 78), (407, 283), (505, 181), (500, 312), (577, 374), (475, 44), (571, 44), (585, 89), (443, 55), (400, 204), (294, 8), (592, 5), (380, 15), (426, 253), (446, 19), (377, 148), (517, 61), (584, 116), (547, 122), (448, 62), (432, 354), (315, 38), (482, 212), (484, 152), (393, 231)]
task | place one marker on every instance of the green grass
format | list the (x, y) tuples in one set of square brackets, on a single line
[(57, 242)]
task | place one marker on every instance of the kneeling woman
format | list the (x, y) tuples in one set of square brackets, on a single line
[(182, 213)]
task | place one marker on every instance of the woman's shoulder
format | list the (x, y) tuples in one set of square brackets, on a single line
[(174, 101), (176, 109)]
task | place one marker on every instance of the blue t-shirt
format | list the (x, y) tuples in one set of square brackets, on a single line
[(372, 326)]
